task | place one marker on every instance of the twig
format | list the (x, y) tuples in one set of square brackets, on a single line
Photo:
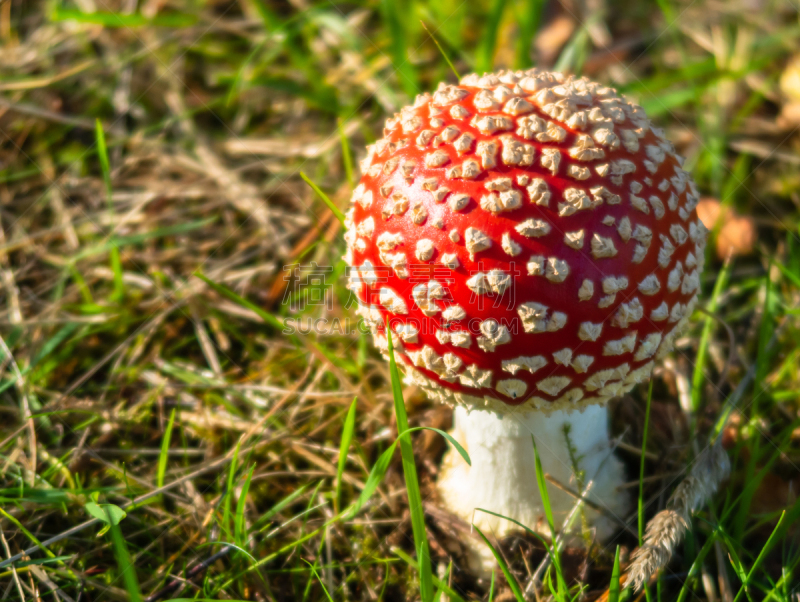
[(34, 111), (190, 574), (57, 591), (13, 569), (43, 82)]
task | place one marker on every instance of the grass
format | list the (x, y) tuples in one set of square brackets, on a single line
[(419, 532), (169, 181)]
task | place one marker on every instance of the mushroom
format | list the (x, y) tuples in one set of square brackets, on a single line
[(533, 242)]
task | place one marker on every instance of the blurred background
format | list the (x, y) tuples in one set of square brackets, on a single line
[(160, 256)]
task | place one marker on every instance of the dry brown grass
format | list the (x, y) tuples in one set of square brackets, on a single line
[(107, 327)]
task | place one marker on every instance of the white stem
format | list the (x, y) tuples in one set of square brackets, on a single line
[(502, 477)]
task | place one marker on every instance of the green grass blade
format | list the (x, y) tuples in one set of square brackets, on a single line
[(794, 278), (454, 595), (238, 520), (27, 533), (344, 446), (548, 511), (116, 268), (373, 480), (102, 153), (695, 568), (528, 19), (439, 591), (164, 455), (512, 581), (399, 41), (319, 579), (705, 337), (550, 549), (613, 586), (105, 167), (733, 557), (283, 503), (347, 157), (765, 332), (485, 53), (412, 483), (226, 506), (574, 53), (122, 20), (232, 546), (530, 531), (380, 467), (461, 451), (542, 483), (125, 563), (640, 500), (441, 51), (339, 215), (761, 555), (671, 19), (228, 293), (760, 386), (80, 282), (135, 239), (54, 342)]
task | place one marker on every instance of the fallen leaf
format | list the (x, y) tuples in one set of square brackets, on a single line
[(736, 237), (708, 210), (552, 37)]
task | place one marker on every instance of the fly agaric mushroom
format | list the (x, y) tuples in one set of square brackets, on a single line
[(533, 242)]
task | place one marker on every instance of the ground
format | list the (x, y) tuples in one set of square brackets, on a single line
[(157, 234)]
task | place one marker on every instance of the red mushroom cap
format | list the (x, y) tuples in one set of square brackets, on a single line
[(531, 239)]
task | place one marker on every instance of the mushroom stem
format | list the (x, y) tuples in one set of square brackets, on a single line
[(502, 477)]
